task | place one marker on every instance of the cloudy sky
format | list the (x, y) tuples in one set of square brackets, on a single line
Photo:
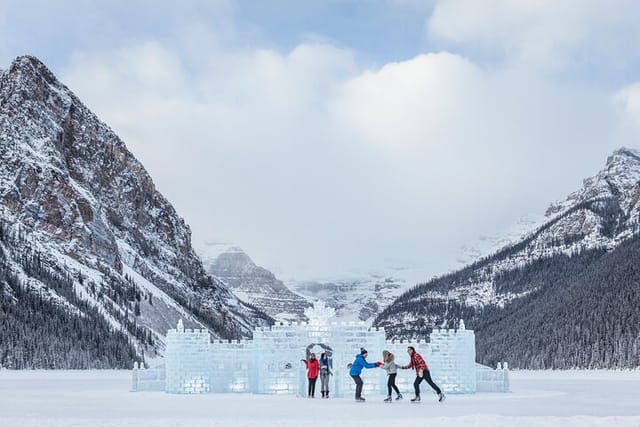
[(325, 136)]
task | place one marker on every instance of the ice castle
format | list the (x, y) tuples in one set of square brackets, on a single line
[(271, 362)]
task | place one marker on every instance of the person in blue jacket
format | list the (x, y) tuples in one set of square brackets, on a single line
[(356, 369)]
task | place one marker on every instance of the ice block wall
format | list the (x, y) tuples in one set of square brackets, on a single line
[(230, 369), (188, 360), (277, 366), (493, 380), (451, 357), (151, 379), (271, 362), (347, 339)]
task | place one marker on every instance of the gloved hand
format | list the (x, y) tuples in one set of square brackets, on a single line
[(378, 364), (302, 360)]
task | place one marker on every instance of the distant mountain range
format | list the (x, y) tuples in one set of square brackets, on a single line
[(95, 264), (357, 296), (566, 294)]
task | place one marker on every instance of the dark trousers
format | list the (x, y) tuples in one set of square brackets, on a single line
[(359, 383), (391, 384), (312, 386), (426, 375)]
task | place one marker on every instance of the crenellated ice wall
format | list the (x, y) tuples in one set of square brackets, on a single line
[(271, 362), (188, 361)]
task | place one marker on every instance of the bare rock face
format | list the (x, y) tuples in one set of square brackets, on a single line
[(69, 182), (256, 285)]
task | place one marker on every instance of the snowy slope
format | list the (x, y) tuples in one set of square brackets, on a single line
[(70, 185)]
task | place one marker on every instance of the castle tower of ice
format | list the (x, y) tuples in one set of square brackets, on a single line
[(319, 313), (271, 362)]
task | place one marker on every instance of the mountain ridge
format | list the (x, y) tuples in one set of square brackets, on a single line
[(87, 204), (584, 228), (253, 284)]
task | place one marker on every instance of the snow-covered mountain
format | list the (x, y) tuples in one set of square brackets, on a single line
[(89, 211), (486, 245), (359, 295), (253, 284), (592, 225), (602, 214)]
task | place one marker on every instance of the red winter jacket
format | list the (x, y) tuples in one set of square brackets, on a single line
[(313, 368), (417, 363)]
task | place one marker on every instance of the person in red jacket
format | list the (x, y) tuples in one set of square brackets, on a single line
[(422, 373), (313, 369)]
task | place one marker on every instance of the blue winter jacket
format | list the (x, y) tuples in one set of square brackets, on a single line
[(358, 364)]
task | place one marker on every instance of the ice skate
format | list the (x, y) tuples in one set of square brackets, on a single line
[(388, 399), (416, 399)]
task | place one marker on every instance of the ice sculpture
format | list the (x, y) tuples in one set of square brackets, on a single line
[(270, 363)]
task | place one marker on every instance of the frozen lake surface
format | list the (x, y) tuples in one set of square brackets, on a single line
[(102, 398)]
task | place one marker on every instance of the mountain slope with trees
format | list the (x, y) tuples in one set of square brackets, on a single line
[(565, 295)]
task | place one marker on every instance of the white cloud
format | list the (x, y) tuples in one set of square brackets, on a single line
[(544, 32), (627, 103), (315, 164)]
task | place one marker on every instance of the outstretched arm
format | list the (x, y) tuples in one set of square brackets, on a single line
[(370, 365), (409, 366)]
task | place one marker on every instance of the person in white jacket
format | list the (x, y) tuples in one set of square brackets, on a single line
[(390, 366)]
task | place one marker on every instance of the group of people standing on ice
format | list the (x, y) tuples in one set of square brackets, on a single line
[(322, 368)]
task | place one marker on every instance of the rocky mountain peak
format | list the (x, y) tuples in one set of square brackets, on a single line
[(253, 284), (30, 68), (617, 183), (70, 183)]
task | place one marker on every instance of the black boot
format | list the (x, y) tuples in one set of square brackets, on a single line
[(323, 393), (327, 394)]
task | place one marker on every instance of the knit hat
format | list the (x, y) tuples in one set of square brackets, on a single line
[(363, 351)]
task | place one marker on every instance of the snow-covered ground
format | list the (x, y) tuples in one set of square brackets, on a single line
[(102, 398)]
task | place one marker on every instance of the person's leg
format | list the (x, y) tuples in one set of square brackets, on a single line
[(355, 381), (313, 386), (324, 382), (416, 385), (427, 378), (359, 384), (392, 377), (326, 386), (309, 389), (389, 383)]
